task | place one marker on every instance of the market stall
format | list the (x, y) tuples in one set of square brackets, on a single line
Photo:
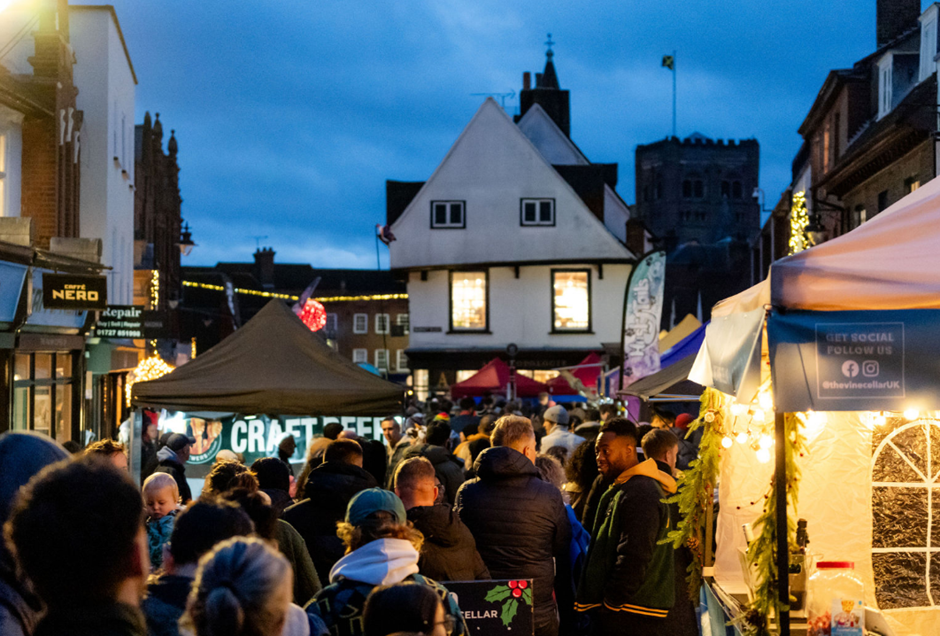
[(271, 378), (493, 379), (578, 383), (825, 385)]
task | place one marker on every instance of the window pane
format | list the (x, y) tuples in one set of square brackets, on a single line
[(21, 367), (699, 190), (545, 211), (63, 366), (440, 214), (43, 367), (468, 300), (42, 418), (736, 189), (686, 189), (21, 408), (572, 302), (456, 213), (63, 412), (529, 211)]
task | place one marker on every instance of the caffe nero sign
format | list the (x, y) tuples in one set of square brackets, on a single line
[(70, 291)]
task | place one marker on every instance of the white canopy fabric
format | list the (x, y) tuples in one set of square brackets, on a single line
[(890, 262)]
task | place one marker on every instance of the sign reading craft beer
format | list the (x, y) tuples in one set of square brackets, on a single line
[(70, 291)]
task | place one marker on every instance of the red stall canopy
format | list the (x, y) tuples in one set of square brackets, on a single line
[(494, 378), (586, 372)]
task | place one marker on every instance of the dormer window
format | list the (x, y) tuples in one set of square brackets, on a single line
[(885, 84), (928, 43), (448, 214)]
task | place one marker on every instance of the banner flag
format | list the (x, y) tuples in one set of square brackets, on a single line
[(642, 314)]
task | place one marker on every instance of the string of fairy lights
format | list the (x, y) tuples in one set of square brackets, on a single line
[(799, 219), (322, 299)]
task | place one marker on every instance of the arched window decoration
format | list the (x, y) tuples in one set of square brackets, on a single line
[(905, 535)]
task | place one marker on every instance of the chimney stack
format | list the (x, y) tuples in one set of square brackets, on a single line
[(894, 17), (264, 267), (526, 81)]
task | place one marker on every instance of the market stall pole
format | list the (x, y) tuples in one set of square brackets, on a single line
[(783, 547)]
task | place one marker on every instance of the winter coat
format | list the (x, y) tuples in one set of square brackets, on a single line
[(169, 463), (397, 455), (280, 499), (447, 468), (561, 437), (158, 533), (352, 579), (164, 604), (330, 486), (93, 619), (19, 608), (449, 552), (629, 569), (294, 549), (520, 524)]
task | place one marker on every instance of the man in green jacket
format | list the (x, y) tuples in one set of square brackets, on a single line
[(628, 582)]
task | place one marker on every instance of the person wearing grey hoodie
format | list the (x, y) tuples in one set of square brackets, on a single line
[(381, 551), (22, 455)]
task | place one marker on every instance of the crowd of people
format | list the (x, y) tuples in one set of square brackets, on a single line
[(363, 540)]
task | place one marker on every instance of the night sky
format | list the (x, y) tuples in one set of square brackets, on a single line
[(290, 115)]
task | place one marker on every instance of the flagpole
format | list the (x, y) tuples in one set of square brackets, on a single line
[(673, 93)]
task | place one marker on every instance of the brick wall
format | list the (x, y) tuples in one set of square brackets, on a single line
[(917, 165)]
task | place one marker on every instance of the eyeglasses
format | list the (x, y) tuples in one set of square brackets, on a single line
[(449, 624)]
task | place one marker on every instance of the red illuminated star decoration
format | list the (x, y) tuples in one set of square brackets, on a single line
[(313, 315)]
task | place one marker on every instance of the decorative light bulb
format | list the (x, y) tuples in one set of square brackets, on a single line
[(879, 419), (738, 409), (766, 441), (763, 455), (758, 416), (911, 414), (726, 441), (766, 401), (742, 438)]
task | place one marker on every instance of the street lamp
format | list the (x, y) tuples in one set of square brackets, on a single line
[(815, 231), (186, 241)]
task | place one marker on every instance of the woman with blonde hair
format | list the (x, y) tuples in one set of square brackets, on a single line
[(243, 587)]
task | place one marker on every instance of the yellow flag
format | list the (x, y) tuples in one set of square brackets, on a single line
[(669, 62)]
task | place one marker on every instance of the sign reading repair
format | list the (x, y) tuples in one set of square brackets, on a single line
[(121, 321), (69, 291), (860, 360)]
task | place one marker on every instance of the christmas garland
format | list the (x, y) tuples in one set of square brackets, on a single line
[(762, 553), (697, 486)]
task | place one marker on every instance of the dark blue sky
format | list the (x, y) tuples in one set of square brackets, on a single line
[(290, 115)]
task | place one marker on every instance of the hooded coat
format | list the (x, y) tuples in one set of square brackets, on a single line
[(168, 462), (448, 468), (22, 455), (520, 525), (449, 552), (381, 562), (330, 486)]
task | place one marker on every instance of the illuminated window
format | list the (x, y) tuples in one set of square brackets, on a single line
[(448, 214), (401, 362), (571, 300), (381, 359), (538, 212), (465, 374), (420, 383), (381, 323), (468, 297), (360, 323), (539, 375)]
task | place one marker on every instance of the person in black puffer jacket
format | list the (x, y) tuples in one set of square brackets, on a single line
[(448, 468), (519, 521), (330, 486), (449, 552)]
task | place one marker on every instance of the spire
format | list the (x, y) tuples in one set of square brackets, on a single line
[(158, 130), (171, 146), (549, 77)]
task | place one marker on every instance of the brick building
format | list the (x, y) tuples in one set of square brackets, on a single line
[(367, 310)]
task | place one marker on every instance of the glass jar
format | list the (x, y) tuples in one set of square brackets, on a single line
[(835, 604)]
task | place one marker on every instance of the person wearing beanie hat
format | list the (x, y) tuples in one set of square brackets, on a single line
[(381, 549), (172, 459), (688, 441), (556, 421)]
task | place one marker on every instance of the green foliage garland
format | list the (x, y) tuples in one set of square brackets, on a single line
[(697, 485), (755, 620)]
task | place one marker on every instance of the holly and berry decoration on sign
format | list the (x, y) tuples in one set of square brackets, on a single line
[(510, 596)]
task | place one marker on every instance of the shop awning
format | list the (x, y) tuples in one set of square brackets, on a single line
[(493, 379), (274, 365)]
